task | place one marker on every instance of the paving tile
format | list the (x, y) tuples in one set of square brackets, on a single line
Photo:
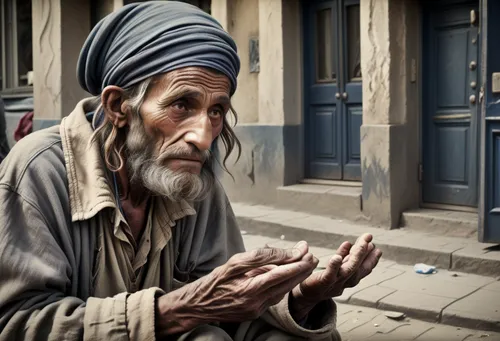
[(375, 330), (409, 331), (363, 323), (430, 285), (279, 216), (384, 263), (357, 319), (453, 277), (418, 305), (370, 296), (254, 241), (445, 333), (483, 336), (250, 211), (480, 310), (494, 286), (381, 275)]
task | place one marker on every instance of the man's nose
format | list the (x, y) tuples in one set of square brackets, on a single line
[(200, 133)]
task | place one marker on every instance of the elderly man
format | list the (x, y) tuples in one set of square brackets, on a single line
[(113, 226)]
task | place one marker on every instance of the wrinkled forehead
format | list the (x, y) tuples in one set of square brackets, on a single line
[(202, 79)]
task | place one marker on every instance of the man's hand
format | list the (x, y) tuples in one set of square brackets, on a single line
[(346, 268), (240, 290)]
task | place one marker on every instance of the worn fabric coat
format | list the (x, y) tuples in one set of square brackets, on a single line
[(67, 271)]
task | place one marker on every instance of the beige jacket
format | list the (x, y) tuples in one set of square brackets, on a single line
[(66, 272)]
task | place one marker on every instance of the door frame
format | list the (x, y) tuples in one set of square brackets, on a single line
[(480, 109)]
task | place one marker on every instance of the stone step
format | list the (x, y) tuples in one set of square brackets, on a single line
[(324, 200), (442, 222), (446, 297), (401, 245)]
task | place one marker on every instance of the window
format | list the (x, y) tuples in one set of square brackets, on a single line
[(17, 50)]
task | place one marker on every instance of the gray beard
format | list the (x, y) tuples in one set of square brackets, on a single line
[(147, 170)]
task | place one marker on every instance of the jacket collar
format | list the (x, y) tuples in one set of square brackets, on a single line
[(89, 182)]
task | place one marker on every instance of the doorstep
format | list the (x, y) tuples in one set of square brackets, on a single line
[(333, 201)]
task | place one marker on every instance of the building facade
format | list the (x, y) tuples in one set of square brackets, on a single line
[(377, 111)]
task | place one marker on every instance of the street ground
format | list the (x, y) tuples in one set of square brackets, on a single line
[(392, 285)]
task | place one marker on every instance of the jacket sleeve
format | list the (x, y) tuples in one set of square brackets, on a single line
[(35, 276), (222, 240)]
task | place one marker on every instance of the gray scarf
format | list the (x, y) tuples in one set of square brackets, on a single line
[(141, 40)]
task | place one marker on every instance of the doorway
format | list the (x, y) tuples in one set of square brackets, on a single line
[(450, 107), (333, 89)]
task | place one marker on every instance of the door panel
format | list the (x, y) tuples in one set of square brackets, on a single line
[(333, 89), (322, 117), (353, 92), (450, 105), (352, 169)]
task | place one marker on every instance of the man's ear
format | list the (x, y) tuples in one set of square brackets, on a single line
[(112, 98)]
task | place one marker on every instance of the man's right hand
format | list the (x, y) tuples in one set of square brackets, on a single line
[(240, 290)]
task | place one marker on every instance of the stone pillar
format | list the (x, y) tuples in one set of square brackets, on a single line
[(389, 134), (271, 62), (60, 28)]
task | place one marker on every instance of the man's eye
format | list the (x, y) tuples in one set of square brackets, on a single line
[(179, 105), (216, 113)]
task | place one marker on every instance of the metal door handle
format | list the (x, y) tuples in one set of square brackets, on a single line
[(337, 95), (472, 99), (344, 95), (472, 65)]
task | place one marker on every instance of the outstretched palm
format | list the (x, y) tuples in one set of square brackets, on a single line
[(346, 268)]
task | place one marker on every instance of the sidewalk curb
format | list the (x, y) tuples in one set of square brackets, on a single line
[(392, 248)]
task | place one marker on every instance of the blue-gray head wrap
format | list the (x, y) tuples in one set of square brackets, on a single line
[(141, 40)]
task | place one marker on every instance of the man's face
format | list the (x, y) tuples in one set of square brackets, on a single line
[(182, 114)]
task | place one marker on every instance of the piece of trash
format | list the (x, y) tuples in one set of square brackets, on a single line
[(454, 275), (424, 269), (282, 237), (243, 233), (484, 335), (395, 315), (376, 325), (360, 311)]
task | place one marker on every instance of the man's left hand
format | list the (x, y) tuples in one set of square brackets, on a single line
[(346, 268)]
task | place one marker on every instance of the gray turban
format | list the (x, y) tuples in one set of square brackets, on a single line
[(141, 40)]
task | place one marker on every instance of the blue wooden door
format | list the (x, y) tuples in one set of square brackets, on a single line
[(333, 94), (450, 103)]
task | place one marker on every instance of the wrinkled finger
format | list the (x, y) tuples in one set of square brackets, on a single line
[(260, 270), (276, 293), (246, 261), (357, 255), (344, 248), (287, 273), (331, 272), (365, 269), (370, 263)]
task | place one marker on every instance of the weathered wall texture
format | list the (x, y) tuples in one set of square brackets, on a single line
[(389, 134), (271, 62), (269, 122), (244, 25), (59, 30)]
